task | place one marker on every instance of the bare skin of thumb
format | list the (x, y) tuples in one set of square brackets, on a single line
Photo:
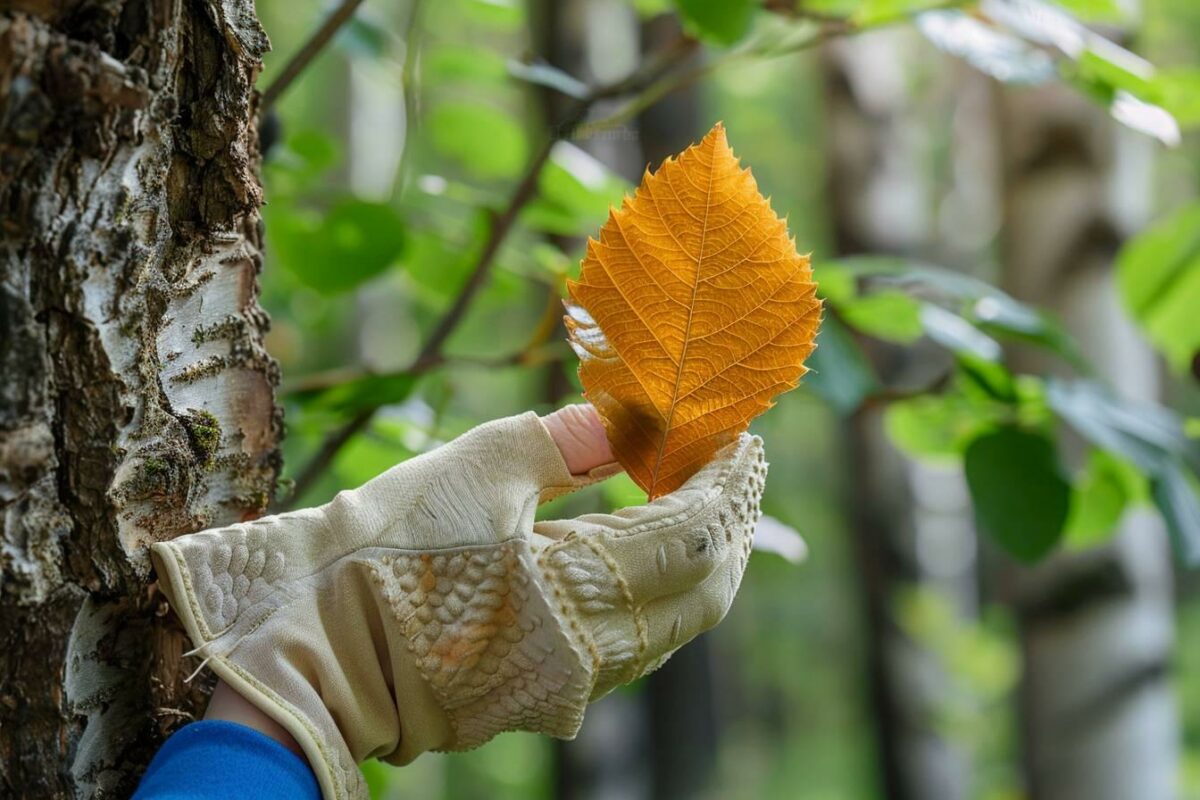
[(580, 436)]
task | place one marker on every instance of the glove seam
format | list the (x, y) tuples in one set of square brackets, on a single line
[(190, 592), (284, 706), (574, 617), (568, 612)]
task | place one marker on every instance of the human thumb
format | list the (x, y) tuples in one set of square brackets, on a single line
[(580, 436)]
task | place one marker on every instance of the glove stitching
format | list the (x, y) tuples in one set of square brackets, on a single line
[(639, 619), (283, 705), (190, 592), (569, 610)]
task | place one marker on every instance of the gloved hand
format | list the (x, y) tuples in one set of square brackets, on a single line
[(426, 610)]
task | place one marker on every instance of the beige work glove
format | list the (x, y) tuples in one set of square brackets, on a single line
[(426, 610)]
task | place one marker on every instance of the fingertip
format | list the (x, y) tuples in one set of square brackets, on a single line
[(580, 436)]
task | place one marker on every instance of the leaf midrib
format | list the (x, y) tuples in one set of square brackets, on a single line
[(687, 328)]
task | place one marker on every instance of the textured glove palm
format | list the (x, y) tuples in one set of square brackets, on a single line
[(426, 610)]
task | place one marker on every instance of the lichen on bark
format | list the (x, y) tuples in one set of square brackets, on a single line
[(130, 246)]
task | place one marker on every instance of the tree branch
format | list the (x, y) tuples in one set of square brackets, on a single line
[(309, 51), (324, 457), (329, 379)]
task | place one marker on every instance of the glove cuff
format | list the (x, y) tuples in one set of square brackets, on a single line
[(337, 774)]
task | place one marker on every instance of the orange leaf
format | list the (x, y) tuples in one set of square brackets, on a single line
[(692, 312)]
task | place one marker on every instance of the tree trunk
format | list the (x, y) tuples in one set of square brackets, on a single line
[(1097, 627), (137, 401), (891, 104)]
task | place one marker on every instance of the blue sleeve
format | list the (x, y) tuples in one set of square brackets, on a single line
[(214, 760)]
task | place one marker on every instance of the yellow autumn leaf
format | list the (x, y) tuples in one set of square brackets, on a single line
[(692, 312)]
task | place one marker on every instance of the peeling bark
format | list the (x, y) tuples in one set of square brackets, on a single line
[(137, 401)]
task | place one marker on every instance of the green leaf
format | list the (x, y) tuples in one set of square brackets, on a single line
[(1145, 117), (957, 334), (575, 192), (448, 63), (987, 380), (1178, 91), (841, 374), (935, 427), (1125, 82), (504, 15), (834, 8), (300, 162), (1113, 75), (351, 244), (1096, 10), (1020, 497), (648, 9), (438, 264), (890, 315), (364, 37), (487, 142), (1099, 498), (719, 21), (835, 283), (1148, 435), (986, 306), (1177, 495), (869, 13), (314, 150), (1158, 275), (359, 393), (997, 313), (1115, 68)]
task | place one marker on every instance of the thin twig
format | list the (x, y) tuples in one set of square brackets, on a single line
[(309, 51), (534, 353), (329, 449), (829, 26), (329, 379), (497, 233), (887, 395)]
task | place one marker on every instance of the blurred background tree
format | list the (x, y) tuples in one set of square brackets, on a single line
[(1000, 201)]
